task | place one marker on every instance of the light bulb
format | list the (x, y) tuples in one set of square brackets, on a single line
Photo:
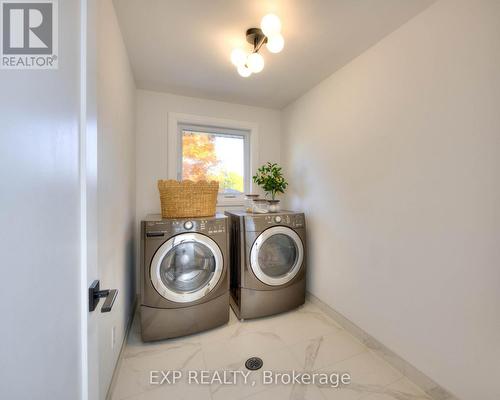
[(238, 57), (244, 71), (270, 24), (275, 43), (255, 62)]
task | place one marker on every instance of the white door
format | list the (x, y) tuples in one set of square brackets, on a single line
[(276, 255), (44, 266)]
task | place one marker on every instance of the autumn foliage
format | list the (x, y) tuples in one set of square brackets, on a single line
[(199, 162), (198, 156)]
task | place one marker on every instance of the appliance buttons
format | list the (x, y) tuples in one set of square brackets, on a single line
[(188, 225), (277, 219)]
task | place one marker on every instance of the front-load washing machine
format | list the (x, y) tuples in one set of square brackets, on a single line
[(268, 263), (184, 276)]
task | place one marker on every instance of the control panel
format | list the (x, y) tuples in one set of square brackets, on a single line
[(264, 221), (170, 227)]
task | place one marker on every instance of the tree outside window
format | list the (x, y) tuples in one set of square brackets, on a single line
[(208, 156)]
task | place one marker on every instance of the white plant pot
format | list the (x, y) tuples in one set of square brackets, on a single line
[(274, 206)]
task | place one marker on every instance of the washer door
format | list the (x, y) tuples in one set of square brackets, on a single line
[(276, 255), (186, 267)]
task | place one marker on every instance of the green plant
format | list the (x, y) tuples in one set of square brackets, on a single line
[(270, 178)]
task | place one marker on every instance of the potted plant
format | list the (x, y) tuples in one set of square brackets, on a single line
[(270, 178)]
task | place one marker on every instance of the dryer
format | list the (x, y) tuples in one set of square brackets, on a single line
[(268, 262), (184, 276)]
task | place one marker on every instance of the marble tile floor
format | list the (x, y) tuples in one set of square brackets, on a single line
[(305, 339)]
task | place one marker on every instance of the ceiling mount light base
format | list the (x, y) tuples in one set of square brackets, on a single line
[(256, 38)]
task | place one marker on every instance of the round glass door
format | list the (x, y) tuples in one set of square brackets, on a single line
[(186, 267), (277, 255)]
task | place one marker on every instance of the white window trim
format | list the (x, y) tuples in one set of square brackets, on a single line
[(173, 145)]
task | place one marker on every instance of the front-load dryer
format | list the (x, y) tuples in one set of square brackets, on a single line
[(184, 276), (268, 262)]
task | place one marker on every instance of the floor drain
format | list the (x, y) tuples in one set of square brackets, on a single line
[(254, 363)]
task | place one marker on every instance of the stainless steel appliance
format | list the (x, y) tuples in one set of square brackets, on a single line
[(268, 263), (184, 276)]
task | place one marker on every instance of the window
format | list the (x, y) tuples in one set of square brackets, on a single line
[(219, 154)]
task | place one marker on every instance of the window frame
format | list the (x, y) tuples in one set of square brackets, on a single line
[(174, 147)]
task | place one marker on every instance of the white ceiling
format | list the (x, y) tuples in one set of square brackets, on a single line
[(183, 46)]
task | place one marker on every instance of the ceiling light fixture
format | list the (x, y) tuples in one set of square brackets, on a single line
[(269, 34)]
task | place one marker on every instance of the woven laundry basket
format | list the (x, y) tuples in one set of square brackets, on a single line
[(187, 198)]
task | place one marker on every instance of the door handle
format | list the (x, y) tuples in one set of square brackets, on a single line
[(95, 295)]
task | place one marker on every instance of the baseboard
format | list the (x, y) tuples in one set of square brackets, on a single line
[(430, 387), (120, 358)]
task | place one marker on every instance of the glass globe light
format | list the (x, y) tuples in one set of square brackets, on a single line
[(238, 57), (255, 62), (275, 43), (270, 24), (244, 71)]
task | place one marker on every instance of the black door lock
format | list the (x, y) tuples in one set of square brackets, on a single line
[(95, 294)]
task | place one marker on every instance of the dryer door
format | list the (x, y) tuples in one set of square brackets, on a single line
[(276, 255), (186, 267)]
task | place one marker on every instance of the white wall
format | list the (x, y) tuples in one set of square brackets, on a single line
[(152, 126), (395, 159), (152, 120), (40, 230), (116, 186)]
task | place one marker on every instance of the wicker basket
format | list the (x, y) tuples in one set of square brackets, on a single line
[(188, 198)]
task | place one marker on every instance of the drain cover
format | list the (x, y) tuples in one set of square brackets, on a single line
[(254, 363)]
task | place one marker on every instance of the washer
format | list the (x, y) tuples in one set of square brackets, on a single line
[(184, 276), (268, 262)]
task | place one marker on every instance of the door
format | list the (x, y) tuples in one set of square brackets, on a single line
[(44, 300), (186, 267), (276, 256)]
